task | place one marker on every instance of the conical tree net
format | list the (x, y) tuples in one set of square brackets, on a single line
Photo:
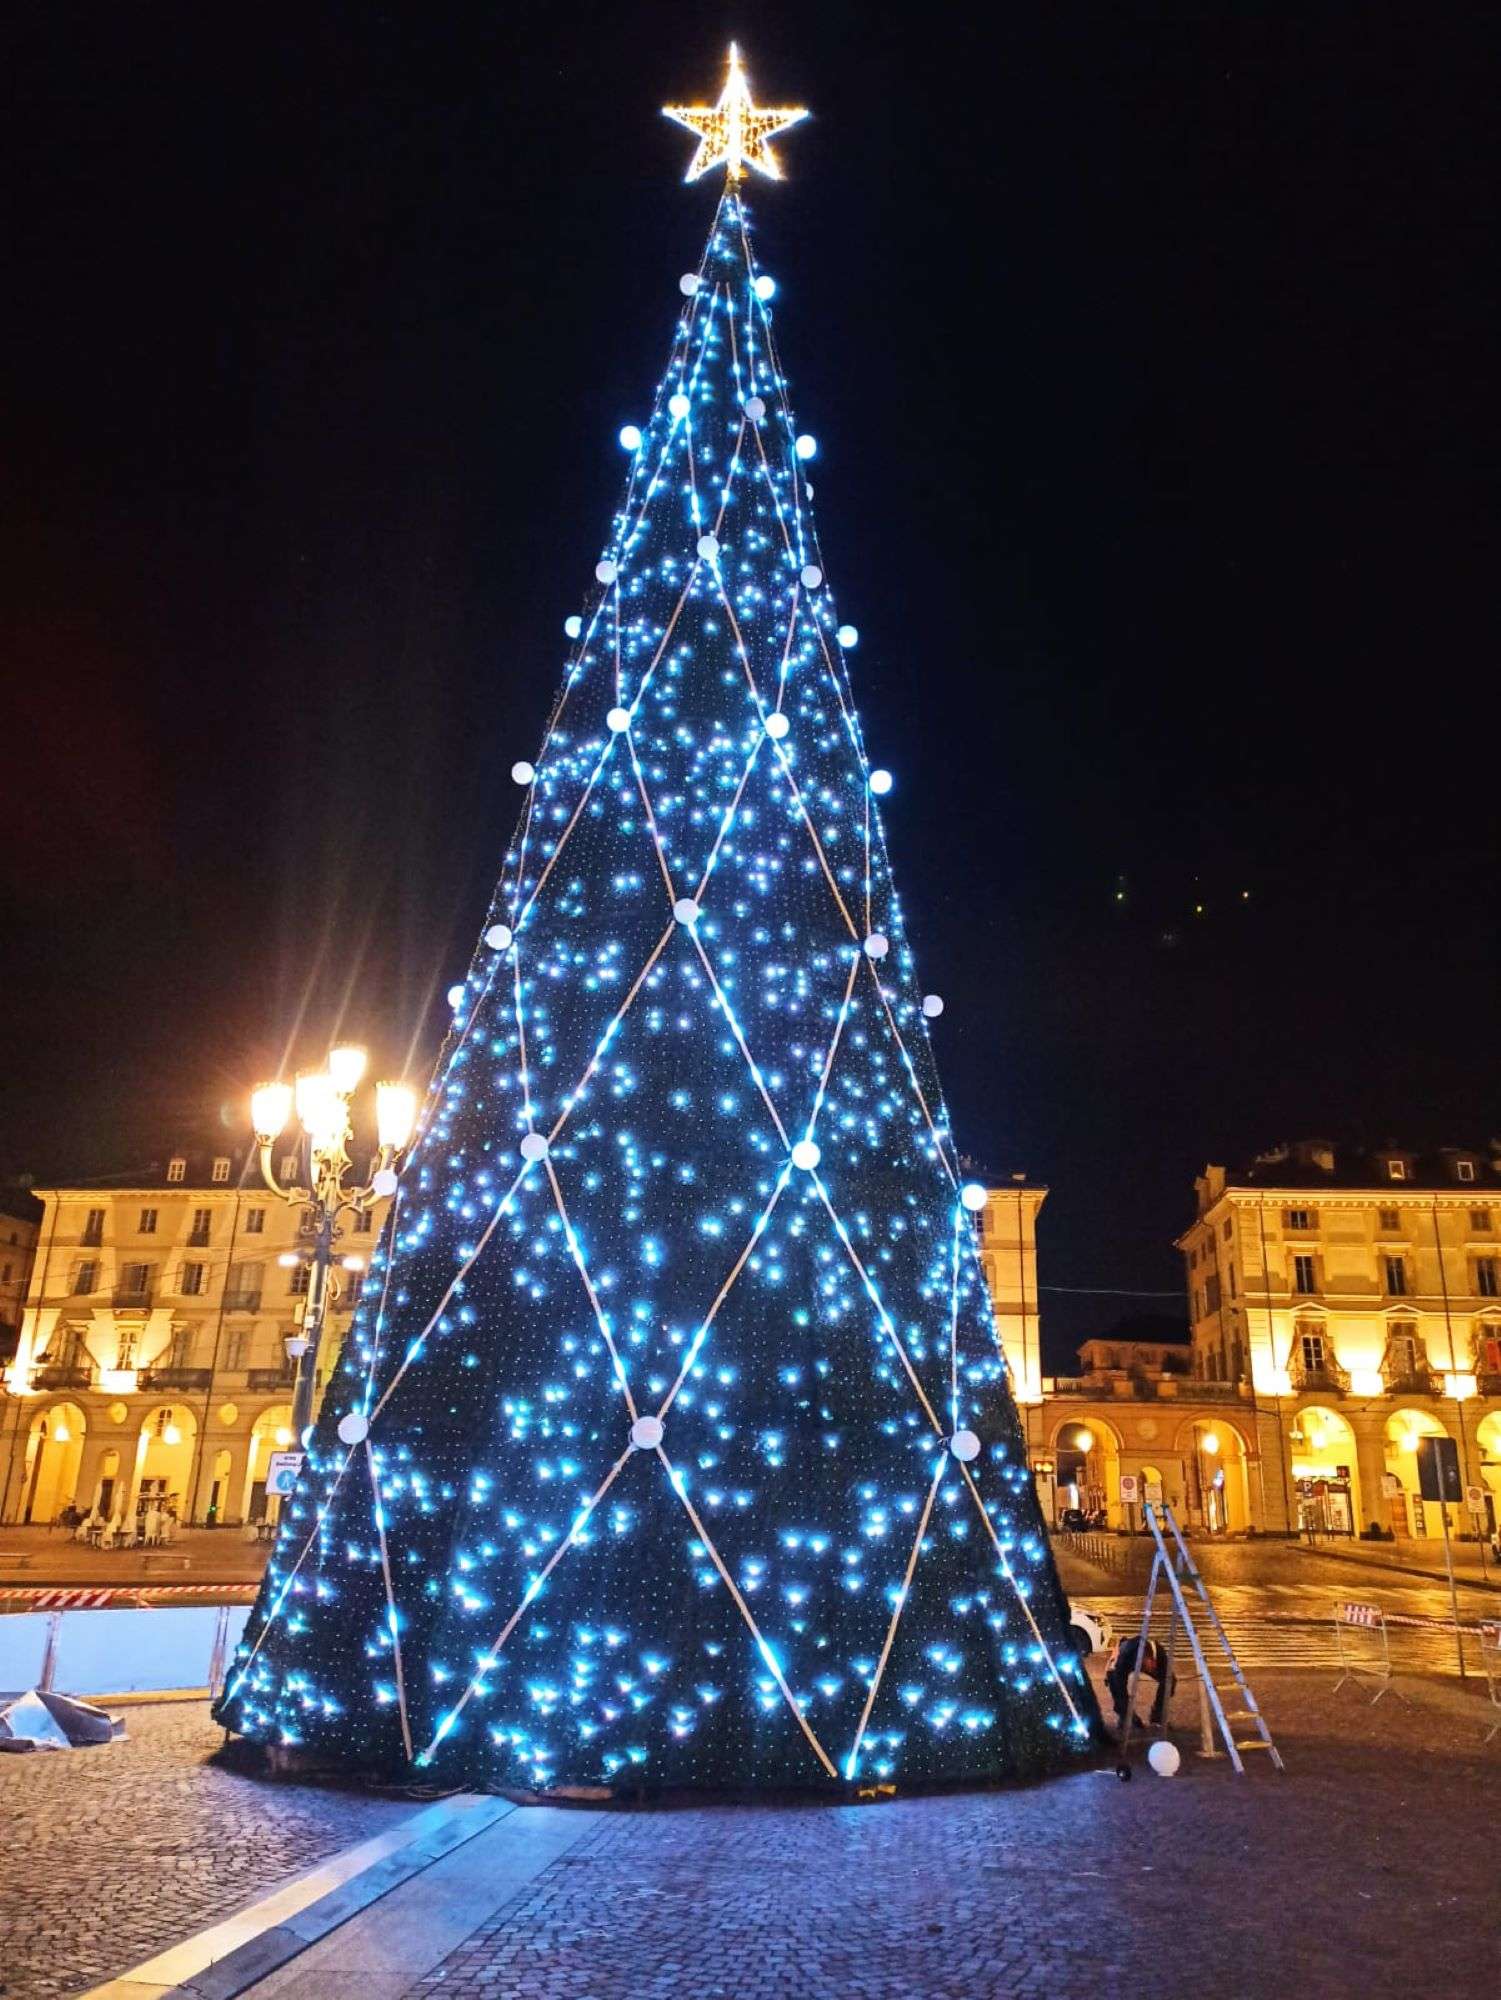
[(673, 1443)]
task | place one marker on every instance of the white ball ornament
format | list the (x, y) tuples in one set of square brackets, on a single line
[(385, 1183), (847, 636), (573, 626), (534, 1146), (806, 446), (354, 1428), (765, 288), (678, 405), (974, 1196), (522, 772), (630, 437), (456, 997), (881, 783), (685, 910), (606, 571), (806, 1154), (932, 1005), (877, 945), (646, 1433), (965, 1446), (755, 409), (777, 724), (812, 576), (498, 936), (708, 547), (1164, 1759), (619, 719), (688, 284)]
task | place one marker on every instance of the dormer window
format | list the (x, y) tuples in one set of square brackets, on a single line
[(1464, 1170), (1396, 1170), (221, 1169), (176, 1168)]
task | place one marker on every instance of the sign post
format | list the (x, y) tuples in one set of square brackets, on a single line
[(1438, 1479), (1130, 1494), (282, 1468)]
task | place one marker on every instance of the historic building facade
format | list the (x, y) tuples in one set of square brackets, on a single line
[(1133, 1406), (1355, 1299), (151, 1364)]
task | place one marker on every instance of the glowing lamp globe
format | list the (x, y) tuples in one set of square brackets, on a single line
[(456, 997), (806, 447), (847, 636), (974, 1195), (573, 626), (881, 782), (1084, 1439), (630, 438), (765, 288), (1210, 1441), (346, 1065), (395, 1115), (270, 1108)]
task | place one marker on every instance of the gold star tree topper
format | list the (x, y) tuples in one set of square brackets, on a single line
[(734, 133)]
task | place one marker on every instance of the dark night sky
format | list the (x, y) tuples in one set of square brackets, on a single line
[(1146, 346)]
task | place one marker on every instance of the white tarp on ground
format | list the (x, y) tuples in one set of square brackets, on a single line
[(41, 1720)]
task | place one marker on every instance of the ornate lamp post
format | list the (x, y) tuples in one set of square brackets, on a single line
[(321, 1099)]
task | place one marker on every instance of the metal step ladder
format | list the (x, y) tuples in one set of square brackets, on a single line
[(1174, 1567)]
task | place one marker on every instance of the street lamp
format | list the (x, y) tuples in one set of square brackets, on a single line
[(321, 1101)]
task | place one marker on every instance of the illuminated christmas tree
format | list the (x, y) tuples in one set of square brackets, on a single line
[(673, 1444)]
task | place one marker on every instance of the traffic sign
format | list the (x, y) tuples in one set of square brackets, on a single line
[(1475, 1499), (1129, 1489), (1151, 1492), (282, 1468)]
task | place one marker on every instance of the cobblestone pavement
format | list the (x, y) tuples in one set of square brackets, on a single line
[(1368, 1869), (109, 1855), (31, 1556)]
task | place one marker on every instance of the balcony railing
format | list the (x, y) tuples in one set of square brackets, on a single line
[(1411, 1382), (242, 1302), (270, 1378), (60, 1376), (177, 1378), (131, 1298), (1326, 1374)]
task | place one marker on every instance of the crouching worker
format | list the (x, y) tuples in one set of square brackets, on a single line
[(1154, 1668)]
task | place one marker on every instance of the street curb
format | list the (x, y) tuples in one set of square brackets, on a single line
[(235, 1954), (1399, 1569)]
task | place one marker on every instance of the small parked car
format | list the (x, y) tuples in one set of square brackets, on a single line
[(1089, 1630), (1073, 1520)]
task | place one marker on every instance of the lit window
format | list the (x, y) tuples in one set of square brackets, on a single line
[(221, 1169), (85, 1277), (203, 1222), (93, 1227), (1396, 1170), (192, 1281), (255, 1222), (1298, 1218), (1488, 1277), (147, 1224), (1396, 1276), (1464, 1170), (1304, 1279), (176, 1168)]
